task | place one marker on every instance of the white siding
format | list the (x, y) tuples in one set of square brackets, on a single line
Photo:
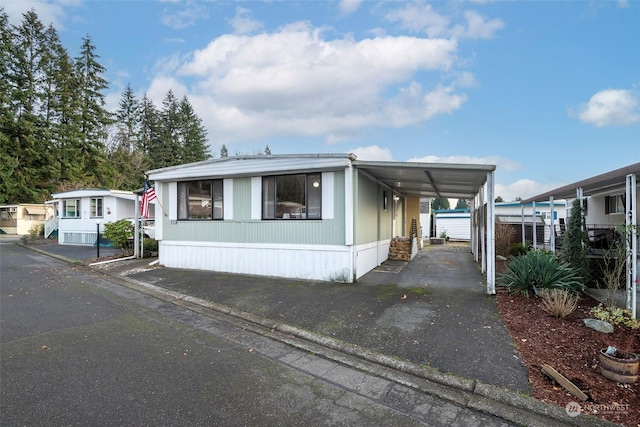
[(456, 226)]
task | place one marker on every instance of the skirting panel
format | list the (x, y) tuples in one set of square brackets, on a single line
[(328, 263)]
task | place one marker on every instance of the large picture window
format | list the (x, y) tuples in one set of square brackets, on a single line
[(71, 208), (200, 200), (96, 207), (292, 196)]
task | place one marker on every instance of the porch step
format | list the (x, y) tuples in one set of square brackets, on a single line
[(400, 249)]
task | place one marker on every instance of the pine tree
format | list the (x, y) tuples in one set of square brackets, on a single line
[(576, 240), (165, 151), (94, 117), (194, 135), (223, 151)]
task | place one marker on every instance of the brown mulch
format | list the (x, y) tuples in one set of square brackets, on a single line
[(572, 349)]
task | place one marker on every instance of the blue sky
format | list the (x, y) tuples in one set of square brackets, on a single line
[(547, 91)]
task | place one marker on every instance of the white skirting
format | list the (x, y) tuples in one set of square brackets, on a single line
[(309, 262)]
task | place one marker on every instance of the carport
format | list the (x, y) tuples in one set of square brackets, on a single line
[(474, 182)]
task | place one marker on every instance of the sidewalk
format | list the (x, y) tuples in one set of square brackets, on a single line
[(429, 315)]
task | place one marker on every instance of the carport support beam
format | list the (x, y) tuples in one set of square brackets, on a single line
[(491, 238)]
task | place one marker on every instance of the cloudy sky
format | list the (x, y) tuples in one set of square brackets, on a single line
[(547, 91)]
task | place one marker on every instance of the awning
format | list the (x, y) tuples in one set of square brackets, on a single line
[(458, 181), (35, 211)]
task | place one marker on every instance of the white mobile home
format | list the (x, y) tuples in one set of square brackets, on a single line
[(315, 216), (81, 212)]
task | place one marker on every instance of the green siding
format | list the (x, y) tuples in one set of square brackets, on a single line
[(242, 229), (368, 204), (242, 199)]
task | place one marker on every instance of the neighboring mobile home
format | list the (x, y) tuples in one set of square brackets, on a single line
[(82, 212), (19, 219), (316, 216), (609, 199)]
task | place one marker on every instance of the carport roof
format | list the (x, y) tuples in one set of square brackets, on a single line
[(462, 181), (598, 184)]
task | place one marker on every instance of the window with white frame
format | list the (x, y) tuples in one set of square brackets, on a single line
[(200, 200), (292, 196), (96, 207), (71, 208)]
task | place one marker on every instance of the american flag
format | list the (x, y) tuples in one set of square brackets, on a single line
[(148, 194)]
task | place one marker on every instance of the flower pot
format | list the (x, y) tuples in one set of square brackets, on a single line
[(621, 366)]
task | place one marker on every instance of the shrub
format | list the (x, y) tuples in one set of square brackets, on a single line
[(120, 233), (36, 230), (150, 245), (559, 302), (504, 235), (615, 316), (539, 269), (518, 249)]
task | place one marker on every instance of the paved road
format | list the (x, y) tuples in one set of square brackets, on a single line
[(80, 349)]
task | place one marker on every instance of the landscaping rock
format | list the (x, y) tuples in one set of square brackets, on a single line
[(599, 325)]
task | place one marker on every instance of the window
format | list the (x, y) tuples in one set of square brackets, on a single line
[(614, 204), (292, 196), (71, 208), (96, 208), (200, 200)]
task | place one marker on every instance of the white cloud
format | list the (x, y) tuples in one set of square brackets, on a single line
[(186, 17), (523, 188), (242, 23), (372, 152), (48, 12), (349, 6), (296, 82), (610, 107), (477, 27), (420, 17)]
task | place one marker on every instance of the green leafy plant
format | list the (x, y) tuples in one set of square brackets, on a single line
[(519, 248), (615, 316), (539, 269), (559, 302), (120, 233), (36, 230), (443, 235), (150, 245)]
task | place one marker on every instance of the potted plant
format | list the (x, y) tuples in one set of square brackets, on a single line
[(617, 365)]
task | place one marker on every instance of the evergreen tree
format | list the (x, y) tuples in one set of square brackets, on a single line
[(193, 134), (24, 128), (128, 120), (165, 151), (267, 150), (576, 240), (8, 156), (462, 204), (223, 151), (94, 118), (149, 136)]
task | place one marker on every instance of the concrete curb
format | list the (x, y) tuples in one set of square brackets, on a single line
[(498, 401)]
